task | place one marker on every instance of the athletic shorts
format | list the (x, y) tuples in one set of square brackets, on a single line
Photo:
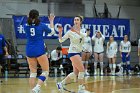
[(73, 54), (124, 58)]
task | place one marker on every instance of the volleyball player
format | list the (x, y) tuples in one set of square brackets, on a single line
[(87, 51), (35, 50), (98, 39), (76, 37), (111, 52), (125, 49)]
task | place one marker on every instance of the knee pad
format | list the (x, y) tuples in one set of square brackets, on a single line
[(72, 75), (81, 75), (44, 75), (33, 75)]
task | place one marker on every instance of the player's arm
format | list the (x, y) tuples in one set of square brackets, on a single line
[(129, 49), (116, 47), (51, 19), (107, 48), (120, 49), (65, 37)]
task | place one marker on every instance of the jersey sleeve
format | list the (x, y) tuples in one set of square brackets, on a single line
[(65, 37), (48, 30)]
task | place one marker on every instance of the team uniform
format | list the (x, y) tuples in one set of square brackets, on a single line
[(125, 48), (99, 49), (98, 44), (76, 42), (111, 50), (35, 43), (87, 47)]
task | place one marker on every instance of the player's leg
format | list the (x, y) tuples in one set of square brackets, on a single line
[(95, 63), (43, 62), (84, 60), (33, 71), (110, 65), (128, 64), (86, 63), (113, 65), (101, 56), (77, 62)]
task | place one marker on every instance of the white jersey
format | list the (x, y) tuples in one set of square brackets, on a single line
[(125, 46), (87, 47), (139, 44), (76, 41), (98, 43), (111, 49), (55, 56)]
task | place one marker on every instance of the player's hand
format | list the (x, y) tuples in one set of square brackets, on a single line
[(121, 55), (51, 17), (127, 55), (60, 28)]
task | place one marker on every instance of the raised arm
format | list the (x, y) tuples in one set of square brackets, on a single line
[(51, 19), (65, 37)]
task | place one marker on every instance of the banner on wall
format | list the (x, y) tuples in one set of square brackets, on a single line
[(116, 27)]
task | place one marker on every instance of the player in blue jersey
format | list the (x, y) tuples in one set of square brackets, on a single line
[(35, 49)]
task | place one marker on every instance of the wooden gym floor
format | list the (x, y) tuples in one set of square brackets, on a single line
[(94, 84)]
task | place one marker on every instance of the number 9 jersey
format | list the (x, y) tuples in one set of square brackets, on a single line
[(35, 43)]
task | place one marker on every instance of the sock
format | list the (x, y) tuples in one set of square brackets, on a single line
[(101, 65)]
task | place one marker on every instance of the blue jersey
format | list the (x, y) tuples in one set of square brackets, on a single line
[(2, 44), (35, 43)]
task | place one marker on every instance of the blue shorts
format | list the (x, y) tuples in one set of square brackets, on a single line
[(35, 51), (73, 54), (124, 58)]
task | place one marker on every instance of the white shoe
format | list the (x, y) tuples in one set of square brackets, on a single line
[(36, 90), (60, 87), (87, 74), (119, 73)]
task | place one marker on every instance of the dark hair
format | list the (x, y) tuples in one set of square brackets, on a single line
[(58, 48), (81, 18), (33, 17)]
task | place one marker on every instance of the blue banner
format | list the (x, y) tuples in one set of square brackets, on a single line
[(116, 27)]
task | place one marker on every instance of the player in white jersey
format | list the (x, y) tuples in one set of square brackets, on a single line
[(139, 50), (98, 39), (111, 52), (125, 49), (87, 51), (76, 41)]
